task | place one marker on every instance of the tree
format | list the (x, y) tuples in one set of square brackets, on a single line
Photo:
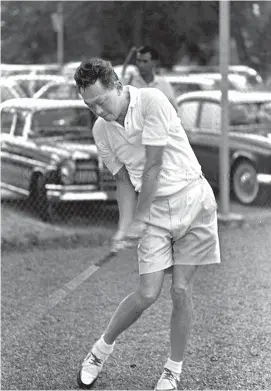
[(111, 28), (251, 28)]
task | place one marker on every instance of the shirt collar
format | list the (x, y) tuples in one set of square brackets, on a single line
[(133, 95)]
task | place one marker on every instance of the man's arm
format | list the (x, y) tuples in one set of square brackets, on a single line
[(127, 199), (154, 155), (170, 94)]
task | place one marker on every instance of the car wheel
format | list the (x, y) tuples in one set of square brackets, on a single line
[(245, 185), (38, 199)]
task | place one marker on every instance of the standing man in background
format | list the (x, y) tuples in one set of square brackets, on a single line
[(147, 60)]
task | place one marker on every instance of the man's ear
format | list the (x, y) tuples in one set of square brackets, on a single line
[(118, 85)]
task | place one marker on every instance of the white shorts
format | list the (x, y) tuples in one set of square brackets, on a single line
[(182, 230)]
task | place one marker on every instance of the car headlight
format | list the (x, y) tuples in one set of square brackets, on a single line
[(67, 172)]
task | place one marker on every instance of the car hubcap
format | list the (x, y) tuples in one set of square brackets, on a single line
[(246, 186), (247, 182)]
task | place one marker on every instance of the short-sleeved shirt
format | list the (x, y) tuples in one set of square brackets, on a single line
[(159, 82), (150, 120)]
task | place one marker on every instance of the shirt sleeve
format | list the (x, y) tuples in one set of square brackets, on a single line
[(157, 117), (103, 146)]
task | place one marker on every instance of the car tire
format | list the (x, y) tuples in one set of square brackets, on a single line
[(245, 185), (39, 201)]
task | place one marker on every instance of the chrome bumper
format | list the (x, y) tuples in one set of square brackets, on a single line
[(78, 193), (264, 179)]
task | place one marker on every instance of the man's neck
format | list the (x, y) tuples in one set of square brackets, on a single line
[(148, 78)]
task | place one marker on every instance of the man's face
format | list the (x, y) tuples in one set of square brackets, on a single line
[(145, 63), (102, 101)]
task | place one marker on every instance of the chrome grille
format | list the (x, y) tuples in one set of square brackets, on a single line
[(87, 172), (107, 180)]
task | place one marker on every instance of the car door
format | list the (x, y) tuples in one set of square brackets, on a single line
[(208, 140), (7, 123), (188, 111), (25, 152), (18, 161)]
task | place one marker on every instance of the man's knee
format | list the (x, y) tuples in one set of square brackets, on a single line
[(147, 297), (180, 294)]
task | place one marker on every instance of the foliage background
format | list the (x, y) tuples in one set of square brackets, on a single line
[(184, 31)]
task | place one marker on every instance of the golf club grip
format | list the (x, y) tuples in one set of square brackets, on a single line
[(105, 259)]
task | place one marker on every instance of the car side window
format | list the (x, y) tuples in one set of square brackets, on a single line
[(210, 118), (19, 125), (188, 112), (6, 121), (6, 93), (61, 92)]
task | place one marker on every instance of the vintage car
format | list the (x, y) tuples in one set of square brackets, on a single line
[(31, 83), (48, 153), (249, 139), (33, 69), (252, 76), (61, 89), (186, 83)]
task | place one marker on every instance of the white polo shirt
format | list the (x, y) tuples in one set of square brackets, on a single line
[(150, 120)]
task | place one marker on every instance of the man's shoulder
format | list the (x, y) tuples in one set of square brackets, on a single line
[(100, 122), (99, 127), (162, 80), (151, 93)]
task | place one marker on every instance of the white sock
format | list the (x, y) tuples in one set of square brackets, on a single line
[(101, 349), (174, 366)]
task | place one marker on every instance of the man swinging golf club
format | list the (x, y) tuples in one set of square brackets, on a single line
[(164, 202)]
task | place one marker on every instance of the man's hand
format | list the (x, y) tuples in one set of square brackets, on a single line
[(117, 241), (122, 240), (135, 231)]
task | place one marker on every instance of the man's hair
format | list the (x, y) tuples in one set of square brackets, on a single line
[(95, 69), (148, 49)]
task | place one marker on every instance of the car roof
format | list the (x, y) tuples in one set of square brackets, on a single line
[(218, 76), (233, 96), (71, 64), (214, 68), (195, 78), (33, 104), (28, 76), (5, 81), (58, 82), (28, 66)]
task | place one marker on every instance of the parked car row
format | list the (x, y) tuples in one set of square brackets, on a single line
[(48, 153), (52, 82)]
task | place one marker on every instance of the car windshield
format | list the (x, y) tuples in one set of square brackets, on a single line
[(251, 113), (58, 121), (19, 90), (30, 87)]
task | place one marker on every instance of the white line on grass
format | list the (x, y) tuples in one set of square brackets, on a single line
[(41, 308)]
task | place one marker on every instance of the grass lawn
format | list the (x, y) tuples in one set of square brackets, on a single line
[(230, 345)]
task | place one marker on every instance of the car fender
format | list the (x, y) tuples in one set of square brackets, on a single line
[(244, 155)]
